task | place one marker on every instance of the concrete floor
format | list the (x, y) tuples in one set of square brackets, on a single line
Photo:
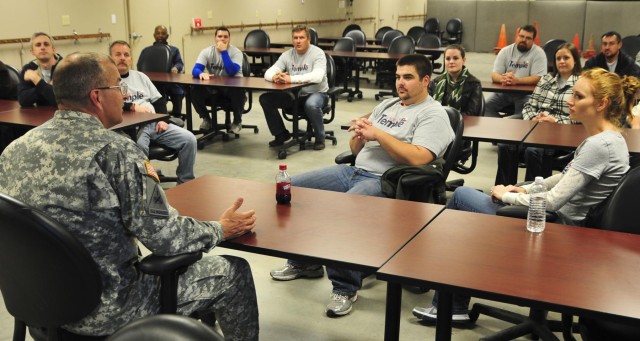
[(295, 310)]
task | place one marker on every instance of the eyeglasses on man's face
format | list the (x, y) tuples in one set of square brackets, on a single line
[(124, 88)]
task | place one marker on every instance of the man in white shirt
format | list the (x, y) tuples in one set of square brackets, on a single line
[(142, 96)]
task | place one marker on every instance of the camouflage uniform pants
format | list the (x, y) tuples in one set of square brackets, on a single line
[(224, 285)]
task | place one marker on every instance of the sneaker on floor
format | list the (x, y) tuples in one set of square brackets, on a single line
[(236, 127), (290, 272), (430, 314), (280, 139), (318, 145), (340, 305), (206, 124)]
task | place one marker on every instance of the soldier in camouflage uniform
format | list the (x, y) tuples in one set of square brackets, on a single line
[(101, 186)]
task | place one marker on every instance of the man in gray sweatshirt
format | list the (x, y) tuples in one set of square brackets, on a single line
[(305, 63)]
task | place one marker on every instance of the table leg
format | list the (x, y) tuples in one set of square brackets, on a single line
[(187, 97), (512, 170), (443, 323), (392, 314)]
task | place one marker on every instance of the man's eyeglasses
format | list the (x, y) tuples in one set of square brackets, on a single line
[(124, 88)]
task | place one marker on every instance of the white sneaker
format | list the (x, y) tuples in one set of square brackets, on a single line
[(206, 124), (340, 305), (236, 127)]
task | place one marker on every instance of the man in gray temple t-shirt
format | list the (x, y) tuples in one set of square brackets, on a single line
[(413, 130), (304, 63), (521, 63)]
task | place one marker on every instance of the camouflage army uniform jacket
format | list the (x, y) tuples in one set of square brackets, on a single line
[(99, 185)]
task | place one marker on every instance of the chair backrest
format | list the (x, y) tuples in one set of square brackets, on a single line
[(381, 31), (389, 36), (345, 44), (351, 27), (313, 35), (631, 46), (47, 277), (416, 32), (454, 27), (550, 51), (155, 58), (402, 45), (429, 40), (166, 328), (432, 25), (9, 82), (257, 38), (331, 71), (451, 154), (617, 213), (358, 37), (246, 67)]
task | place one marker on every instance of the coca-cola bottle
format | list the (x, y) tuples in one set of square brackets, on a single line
[(283, 186)]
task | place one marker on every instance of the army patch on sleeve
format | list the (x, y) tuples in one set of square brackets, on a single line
[(151, 171), (156, 200)]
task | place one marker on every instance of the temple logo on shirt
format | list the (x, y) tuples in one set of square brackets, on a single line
[(518, 65), (299, 68), (391, 122), (213, 68), (138, 95)]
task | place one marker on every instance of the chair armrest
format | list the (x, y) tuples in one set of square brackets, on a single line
[(164, 265), (345, 158), (517, 211)]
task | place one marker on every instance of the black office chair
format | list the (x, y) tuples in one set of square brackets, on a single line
[(9, 81), (166, 328), (631, 46), (550, 51), (381, 31), (49, 279), (351, 27), (223, 104), (313, 36), (454, 31), (359, 38), (259, 39), (415, 185), (344, 66), (432, 25), (616, 213), (432, 41), (416, 32), (468, 150), (157, 58), (386, 73), (389, 36), (329, 109)]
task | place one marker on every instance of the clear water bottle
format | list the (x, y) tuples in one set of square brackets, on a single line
[(283, 186), (537, 206)]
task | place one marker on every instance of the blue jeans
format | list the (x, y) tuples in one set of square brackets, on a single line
[(345, 179), (469, 200), (272, 101), (176, 138), (499, 101)]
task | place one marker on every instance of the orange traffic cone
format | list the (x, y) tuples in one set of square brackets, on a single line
[(536, 40), (576, 42), (502, 39), (590, 51)]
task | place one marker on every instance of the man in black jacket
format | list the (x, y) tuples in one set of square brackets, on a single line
[(35, 79), (612, 58)]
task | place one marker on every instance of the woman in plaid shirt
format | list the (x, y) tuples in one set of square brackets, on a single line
[(548, 103)]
